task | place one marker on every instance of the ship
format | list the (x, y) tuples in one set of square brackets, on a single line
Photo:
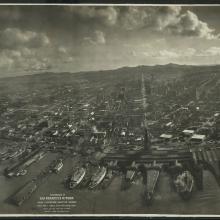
[(97, 178), (108, 179), (41, 155), (77, 177), (130, 174), (10, 174), (21, 172), (127, 179), (58, 166), (184, 184)]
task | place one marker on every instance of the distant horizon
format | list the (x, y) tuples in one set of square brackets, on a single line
[(103, 70)]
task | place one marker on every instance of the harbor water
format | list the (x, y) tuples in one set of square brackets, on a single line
[(111, 200)]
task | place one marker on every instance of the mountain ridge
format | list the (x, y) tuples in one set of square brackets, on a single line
[(123, 69)]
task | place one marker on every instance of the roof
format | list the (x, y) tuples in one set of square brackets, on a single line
[(168, 136), (186, 131), (100, 133), (169, 123), (198, 136)]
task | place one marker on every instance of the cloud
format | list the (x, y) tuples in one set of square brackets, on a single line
[(168, 54), (23, 59), (133, 53), (211, 51), (147, 54), (162, 17), (189, 25), (68, 60), (169, 19), (38, 64), (62, 50), (134, 17), (34, 64), (33, 37), (97, 37), (5, 62), (26, 52), (214, 51), (15, 54), (106, 15), (11, 38), (188, 52), (155, 18)]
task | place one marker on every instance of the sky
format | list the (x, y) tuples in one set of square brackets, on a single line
[(40, 38)]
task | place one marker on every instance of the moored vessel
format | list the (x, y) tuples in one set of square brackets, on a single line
[(184, 184), (58, 166), (21, 172), (77, 177), (97, 178), (108, 179)]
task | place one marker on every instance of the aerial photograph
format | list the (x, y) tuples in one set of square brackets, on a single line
[(109, 110)]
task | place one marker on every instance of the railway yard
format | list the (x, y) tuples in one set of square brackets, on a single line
[(92, 128)]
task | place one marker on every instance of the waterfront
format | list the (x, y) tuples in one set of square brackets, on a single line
[(111, 200)]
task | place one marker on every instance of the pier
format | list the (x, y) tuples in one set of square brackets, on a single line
[(151, 180)]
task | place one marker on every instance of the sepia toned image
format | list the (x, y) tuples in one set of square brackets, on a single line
[(109, 110)]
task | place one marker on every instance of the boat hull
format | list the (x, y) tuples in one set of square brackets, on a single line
[(75, 183), (95, 183)]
